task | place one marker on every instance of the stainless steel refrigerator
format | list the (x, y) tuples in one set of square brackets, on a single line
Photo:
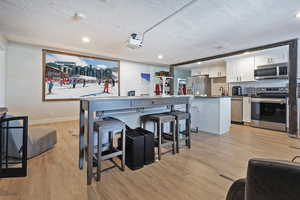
[(199, 85)]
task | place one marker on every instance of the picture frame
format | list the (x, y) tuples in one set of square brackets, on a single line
[(71, 76)]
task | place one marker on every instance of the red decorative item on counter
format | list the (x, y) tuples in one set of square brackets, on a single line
[(184, 89), (157, 89)]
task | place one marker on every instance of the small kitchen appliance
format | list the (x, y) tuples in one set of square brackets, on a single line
[(274, 71), (236, 91)]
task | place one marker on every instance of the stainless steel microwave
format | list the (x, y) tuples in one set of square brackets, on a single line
[(274, 71)]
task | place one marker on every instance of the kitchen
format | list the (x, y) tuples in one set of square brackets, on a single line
[(256, 81)]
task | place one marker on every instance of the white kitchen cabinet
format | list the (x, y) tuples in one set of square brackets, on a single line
[(213, 71), (247, 109), (202, 70), (231, 74), (216, 71), (211, 115), (262, 60), (240, 69), (245, 69), (223, 72), (276, 55)]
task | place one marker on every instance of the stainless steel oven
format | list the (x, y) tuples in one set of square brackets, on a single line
[(274, 71), (269, 113)]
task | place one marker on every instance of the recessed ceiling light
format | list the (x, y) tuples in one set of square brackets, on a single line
[(85, 39), (199, 63), (160, 56), (246, 53), (298, 15)]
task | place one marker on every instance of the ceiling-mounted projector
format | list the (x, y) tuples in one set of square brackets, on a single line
[(134, 42)]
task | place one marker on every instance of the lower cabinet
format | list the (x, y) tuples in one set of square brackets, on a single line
[(247, 109), (211, 115), (237, 109), (241, 109)]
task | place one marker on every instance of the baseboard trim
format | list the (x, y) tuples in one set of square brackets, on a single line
[(52, 120), (247, 123)]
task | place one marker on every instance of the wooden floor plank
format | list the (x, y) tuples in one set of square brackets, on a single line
[(197, 173)]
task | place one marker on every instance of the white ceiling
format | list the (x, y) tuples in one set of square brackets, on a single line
[(196, 32)]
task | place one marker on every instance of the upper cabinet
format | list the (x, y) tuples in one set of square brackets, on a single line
[(213, 70), (201, 70), (231, 73), (278, 55), (246, 69), (218, 70), (240, 69)]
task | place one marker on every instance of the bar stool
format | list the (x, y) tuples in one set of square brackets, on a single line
[(159, 120), (179, 115), (104, 131)]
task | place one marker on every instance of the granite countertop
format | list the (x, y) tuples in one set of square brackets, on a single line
[(2, 111)]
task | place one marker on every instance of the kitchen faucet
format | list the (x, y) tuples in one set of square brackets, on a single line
[(222, 90)]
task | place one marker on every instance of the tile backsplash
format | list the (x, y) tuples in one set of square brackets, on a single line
[(260, 83), (216, 84)]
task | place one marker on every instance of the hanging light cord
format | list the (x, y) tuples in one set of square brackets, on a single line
[(168, 17)]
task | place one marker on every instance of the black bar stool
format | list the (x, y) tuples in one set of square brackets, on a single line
[(104, 131), (159, 120), (179, 115)]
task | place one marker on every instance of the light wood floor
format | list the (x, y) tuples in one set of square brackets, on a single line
[(192, 174)]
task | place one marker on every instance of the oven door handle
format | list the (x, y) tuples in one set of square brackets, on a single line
[(261, 100)]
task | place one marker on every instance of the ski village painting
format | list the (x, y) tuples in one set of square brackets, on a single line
[(70, 77)]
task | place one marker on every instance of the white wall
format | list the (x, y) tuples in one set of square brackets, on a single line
[(24, 85), (2, 71), (130, 79)]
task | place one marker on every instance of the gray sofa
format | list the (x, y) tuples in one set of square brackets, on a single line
[(40, 139)]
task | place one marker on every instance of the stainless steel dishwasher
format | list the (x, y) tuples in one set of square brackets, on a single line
[(237, 109)]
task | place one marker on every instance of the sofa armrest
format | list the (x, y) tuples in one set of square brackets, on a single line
[(237, 190)]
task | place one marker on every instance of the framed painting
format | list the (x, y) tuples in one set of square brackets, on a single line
[(68, 76)]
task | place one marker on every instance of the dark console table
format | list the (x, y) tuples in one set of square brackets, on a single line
[(92, 106)]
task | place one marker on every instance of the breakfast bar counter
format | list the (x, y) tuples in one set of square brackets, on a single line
[(92, 108), (211, 114)]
